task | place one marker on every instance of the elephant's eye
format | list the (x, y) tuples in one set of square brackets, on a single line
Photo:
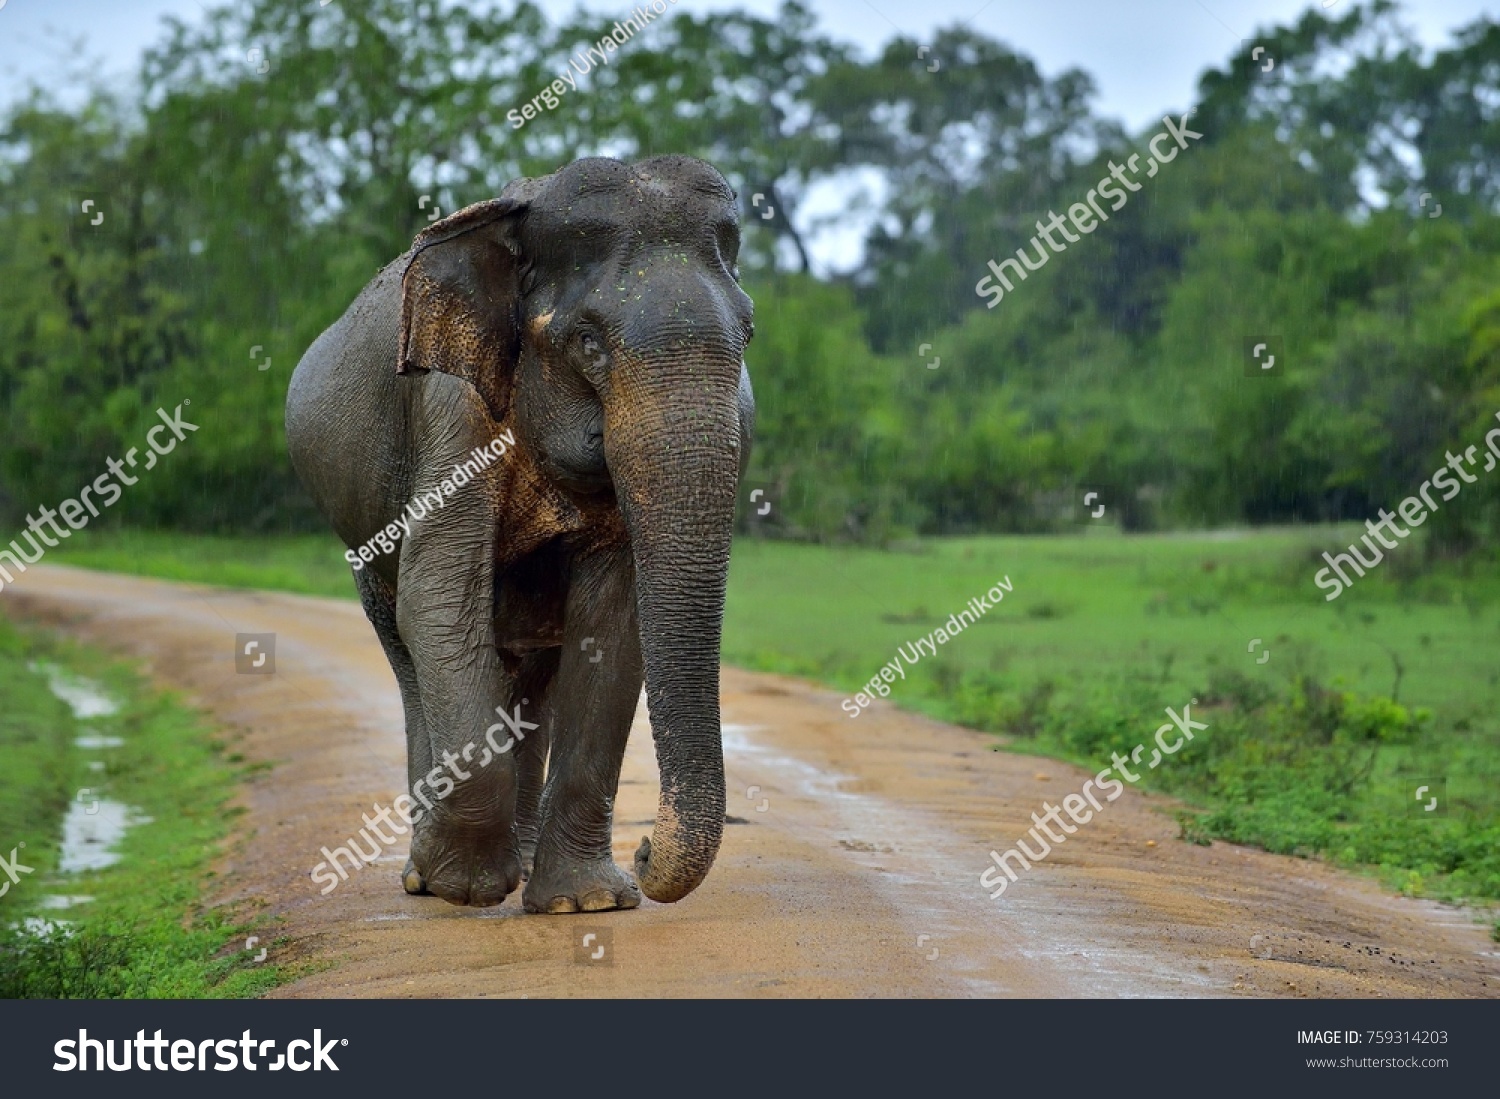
[(591, 350)]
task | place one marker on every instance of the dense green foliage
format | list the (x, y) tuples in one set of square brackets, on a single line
[(243, 210)]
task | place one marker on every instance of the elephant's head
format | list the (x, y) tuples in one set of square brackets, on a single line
[(598, 310)]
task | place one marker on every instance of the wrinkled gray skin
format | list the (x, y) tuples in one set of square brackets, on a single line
[(595, 313)]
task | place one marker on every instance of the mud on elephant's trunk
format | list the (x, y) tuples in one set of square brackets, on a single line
[(675, 467)]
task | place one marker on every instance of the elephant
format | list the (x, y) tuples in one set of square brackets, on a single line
[(584, 332)]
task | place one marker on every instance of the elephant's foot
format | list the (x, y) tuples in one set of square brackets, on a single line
[(560, 885), (411, 881), (479, 875)]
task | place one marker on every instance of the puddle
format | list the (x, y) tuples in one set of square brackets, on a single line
[(55, 901), (90, 831), (89, 837), (92, 740), (43, 928), (84, 697)]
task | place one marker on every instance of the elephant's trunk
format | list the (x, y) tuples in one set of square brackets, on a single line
[(673, 449)]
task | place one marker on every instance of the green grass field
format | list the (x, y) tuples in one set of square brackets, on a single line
[(308, 565), (1315, 749), (1178, 606), (143, 931)]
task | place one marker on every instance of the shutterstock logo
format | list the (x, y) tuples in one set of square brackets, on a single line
[(230, 1054), (12, 868)]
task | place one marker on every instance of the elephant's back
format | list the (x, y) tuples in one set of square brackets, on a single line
[(347, 353), (344, 421)]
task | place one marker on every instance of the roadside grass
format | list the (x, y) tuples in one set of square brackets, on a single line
[(306, 564), (1316, 749), (146, 931)]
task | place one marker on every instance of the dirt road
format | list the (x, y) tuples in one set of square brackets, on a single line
[(850, 867)]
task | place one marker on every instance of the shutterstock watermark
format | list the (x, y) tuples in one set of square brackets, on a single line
[(550, 97), (1077, 805), (479, 460), (11, 869), (1083, 216), (439, 784), (1412, 513), (142, 1054), (955, 625), (73, 511)]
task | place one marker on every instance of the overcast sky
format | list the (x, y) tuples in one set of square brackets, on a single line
[(1145, 54)]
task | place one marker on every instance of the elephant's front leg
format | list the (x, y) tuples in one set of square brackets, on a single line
[(593, 700), (464, 844)]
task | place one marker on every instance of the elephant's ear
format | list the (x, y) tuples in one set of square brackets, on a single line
[(460, 297)]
